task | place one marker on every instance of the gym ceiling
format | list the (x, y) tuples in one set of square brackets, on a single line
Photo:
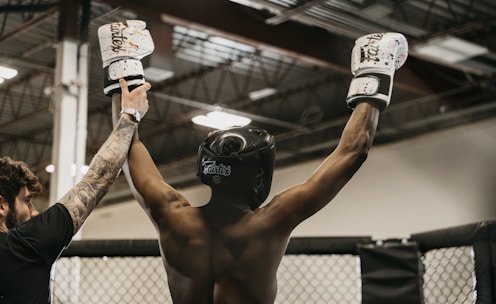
[(220, 51)]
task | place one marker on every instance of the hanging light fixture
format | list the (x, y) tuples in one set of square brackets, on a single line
[(220, 120)]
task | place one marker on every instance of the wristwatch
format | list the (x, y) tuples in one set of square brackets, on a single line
[(133, 112)]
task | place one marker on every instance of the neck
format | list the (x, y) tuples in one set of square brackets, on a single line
[(3, 228), (224, 209), (231, 202)]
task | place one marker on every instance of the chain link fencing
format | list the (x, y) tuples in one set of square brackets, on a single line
[(121, 280), (314, 270), (449, 276)]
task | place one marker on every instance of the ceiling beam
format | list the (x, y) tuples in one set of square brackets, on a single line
[(243, 24), (309, 44)]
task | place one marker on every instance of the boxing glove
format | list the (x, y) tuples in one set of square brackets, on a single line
[(374, 60), (122, 45)]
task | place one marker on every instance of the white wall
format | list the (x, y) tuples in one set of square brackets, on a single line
[(431, 182)]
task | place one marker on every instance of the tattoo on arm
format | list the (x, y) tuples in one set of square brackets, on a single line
[(102, 173)]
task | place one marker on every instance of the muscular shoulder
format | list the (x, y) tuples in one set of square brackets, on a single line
[(161, 196), (287, 209)]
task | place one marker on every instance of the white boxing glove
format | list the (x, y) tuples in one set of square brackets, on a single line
[(374, 60), (122, 45)]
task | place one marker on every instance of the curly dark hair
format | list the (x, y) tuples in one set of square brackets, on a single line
[(13, 176)]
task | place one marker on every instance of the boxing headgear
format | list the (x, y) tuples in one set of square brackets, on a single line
[(238, 159)]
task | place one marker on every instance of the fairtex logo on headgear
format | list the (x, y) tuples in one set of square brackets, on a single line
[(118, 38), (210, 167)]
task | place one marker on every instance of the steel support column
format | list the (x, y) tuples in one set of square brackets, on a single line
[(69, 110)]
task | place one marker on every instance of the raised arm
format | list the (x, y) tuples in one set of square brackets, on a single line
[(374, 60), (145, 180), (105, 165), (123, 44)]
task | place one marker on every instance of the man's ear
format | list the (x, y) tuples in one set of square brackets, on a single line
[(4, 207)]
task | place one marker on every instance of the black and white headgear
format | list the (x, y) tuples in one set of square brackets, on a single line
[(240, 159)]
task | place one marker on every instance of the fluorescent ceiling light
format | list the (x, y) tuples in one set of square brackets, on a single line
[(84, 169), (50, 168), (249, 4), (232, 44), (155, 74), (450, 49), (378, 9), (262, 93), (7, 73), (220, 120)]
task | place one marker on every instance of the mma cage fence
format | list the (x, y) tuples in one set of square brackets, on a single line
[(448, 266)]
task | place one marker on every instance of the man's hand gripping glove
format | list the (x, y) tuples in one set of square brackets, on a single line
[(374, 59), (122, 45)]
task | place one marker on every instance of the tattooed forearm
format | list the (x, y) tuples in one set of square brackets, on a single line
[(102, 173)]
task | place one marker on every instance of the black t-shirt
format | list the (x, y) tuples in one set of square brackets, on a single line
[(27, 253)]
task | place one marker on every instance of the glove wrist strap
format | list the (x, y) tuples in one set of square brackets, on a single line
[(373, 87), (129, 69)]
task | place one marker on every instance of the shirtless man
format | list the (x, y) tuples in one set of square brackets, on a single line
[(228, 251)]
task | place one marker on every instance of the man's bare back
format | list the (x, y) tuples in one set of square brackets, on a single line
[(234, 262)]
